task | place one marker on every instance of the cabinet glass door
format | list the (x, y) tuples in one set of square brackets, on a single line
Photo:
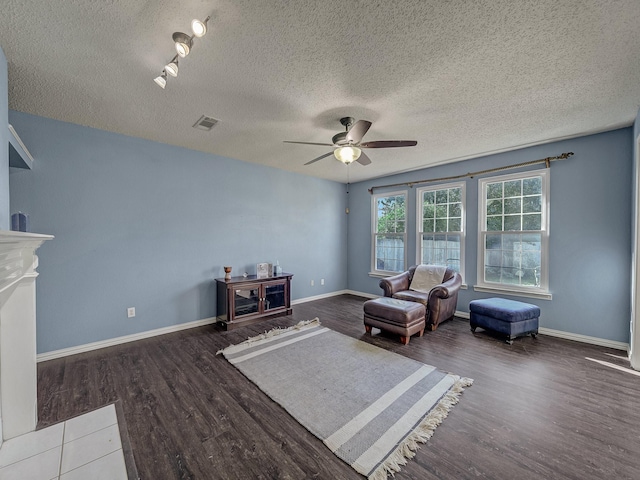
[(246, 300), (274, 297)]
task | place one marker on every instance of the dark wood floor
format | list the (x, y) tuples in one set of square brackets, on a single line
[(537, 409)]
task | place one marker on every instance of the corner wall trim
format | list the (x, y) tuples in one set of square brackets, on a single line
[(88, 347)]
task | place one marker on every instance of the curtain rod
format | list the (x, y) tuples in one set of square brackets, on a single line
[(547, 161)]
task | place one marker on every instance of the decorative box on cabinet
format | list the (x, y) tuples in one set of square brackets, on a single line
[(245, 300)]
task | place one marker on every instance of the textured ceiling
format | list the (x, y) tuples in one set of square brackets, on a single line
[(461, 77)]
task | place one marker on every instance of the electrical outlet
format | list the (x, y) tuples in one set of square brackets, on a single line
[(322, 281), (312, 283), (131, 312)]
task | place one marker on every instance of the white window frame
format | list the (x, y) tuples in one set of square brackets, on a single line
[(419, 224), (374, 228), (542, 290)]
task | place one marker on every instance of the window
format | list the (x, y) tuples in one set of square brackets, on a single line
[(440, 225), (513, 243), (389, 232)]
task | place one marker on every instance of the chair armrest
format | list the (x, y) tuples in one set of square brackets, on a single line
[(397, 283), (448, 288)]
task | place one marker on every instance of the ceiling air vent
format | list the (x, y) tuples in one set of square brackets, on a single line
[(205, 123)]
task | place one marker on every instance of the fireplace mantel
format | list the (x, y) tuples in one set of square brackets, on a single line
[(18, 374)]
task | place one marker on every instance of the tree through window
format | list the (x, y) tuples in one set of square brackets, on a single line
[(389, 232), (441, 225), (514, 231)]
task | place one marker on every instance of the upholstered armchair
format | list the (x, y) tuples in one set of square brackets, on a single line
[(440, 302)]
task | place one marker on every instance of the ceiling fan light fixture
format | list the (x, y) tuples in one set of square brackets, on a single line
[(161, 80), (347, 154), (198, 27), (183, 43), (172, 67)]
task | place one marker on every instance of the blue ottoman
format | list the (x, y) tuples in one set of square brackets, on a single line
[(509, 317)]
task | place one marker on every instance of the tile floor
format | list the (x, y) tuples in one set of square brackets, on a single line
[(83, 447)]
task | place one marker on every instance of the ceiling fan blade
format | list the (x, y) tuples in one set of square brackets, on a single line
[(319, 158), (388, 143), (311, 143), (363, 159), (357, 131)]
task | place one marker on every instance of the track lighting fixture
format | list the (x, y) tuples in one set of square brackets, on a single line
[(183, 44)]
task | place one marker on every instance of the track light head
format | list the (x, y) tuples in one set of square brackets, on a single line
[(172, 67), (161, 80), (199, 28), (183, 43)]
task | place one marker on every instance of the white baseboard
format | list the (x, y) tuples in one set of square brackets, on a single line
[(43, 357), (603, 342), (361, 294), (318, 297)]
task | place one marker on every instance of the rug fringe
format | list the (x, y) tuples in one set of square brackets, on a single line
[(423, 432), (314, 322)]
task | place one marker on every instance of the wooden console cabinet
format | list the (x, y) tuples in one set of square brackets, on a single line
[(245, 300)]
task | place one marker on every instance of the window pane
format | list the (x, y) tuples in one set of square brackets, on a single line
[(455, 194), (512, 242), (429, 197), (494, 190), (513, 188), (494, 258), (428, 211), (494, 207), (441, 225), (532, 241), (512, 222), (455, 210), (453, 252), (441, 196), (512, 205), (441, 211), (455, 225), (391, 214), (493, 242), (531, 259), (532, 222), (532, 204), (427, 225), (513, 259), (532, 186), (389, 253), (494, 224)]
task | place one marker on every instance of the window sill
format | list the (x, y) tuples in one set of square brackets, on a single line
[(515, 293)]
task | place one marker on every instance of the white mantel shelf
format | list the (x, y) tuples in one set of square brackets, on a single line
[(18, 374)]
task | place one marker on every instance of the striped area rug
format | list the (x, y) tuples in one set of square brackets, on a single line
[(369, 406)]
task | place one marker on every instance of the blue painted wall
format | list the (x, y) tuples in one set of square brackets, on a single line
[(5, 213), (590, 232), (146, 225)]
